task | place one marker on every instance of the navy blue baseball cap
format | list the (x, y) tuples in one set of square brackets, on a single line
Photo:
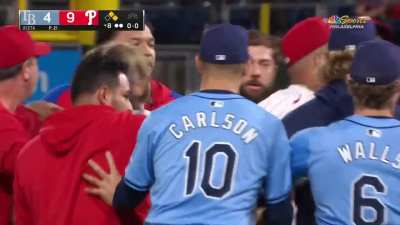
[(224, 44), (376, 62), (342, 39)]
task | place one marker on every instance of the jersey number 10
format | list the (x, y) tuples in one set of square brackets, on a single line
[(193, 154)]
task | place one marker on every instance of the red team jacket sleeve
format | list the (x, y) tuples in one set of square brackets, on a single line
[(21, 208), (13, 138)]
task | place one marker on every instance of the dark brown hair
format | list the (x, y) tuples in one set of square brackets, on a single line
[(338, 65), (375, 97), (102, 66), (11, 72), (256, 38)]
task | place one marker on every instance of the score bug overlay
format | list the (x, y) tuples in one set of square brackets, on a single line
[(53, 20)]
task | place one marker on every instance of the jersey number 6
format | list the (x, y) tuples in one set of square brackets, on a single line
[(193, 154), (362, 202)]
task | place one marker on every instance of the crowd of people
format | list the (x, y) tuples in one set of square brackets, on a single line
[(118, 147)]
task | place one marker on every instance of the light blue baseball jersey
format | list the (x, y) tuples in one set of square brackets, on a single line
[(206, 156), (354, 169)]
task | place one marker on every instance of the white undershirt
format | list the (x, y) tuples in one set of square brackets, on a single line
[(286, 100)]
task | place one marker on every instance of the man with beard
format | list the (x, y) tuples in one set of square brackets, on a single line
[(151, 93), (305, 49), (261, 69)]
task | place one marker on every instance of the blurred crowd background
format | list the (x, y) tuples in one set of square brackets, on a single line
[(177, 27)]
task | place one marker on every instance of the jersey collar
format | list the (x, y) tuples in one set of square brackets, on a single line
[(372, 121), (217, 94)]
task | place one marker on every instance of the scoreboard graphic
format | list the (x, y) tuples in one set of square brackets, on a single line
[(54, 20)]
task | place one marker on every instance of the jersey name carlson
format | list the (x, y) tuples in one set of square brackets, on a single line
[(226, 121)]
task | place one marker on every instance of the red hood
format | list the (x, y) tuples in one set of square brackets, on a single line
[(62, 135)]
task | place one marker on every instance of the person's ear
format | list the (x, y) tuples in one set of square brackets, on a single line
[(199, 63), (318, 60), (103, 95), (26, 70)]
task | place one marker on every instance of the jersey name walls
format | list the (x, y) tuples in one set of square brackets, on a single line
[(368, 151)]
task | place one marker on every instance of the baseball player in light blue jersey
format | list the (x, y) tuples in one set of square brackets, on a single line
[(354, 164), (205, 156)]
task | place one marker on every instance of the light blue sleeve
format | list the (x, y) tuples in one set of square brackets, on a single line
[(139, 173), (300, 154), (279, 181)]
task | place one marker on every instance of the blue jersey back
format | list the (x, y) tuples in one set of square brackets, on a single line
[(205, 158), (354, 169)]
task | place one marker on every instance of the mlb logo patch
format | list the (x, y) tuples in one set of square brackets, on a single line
[(217, 104), (220, 57), (374, 133), (350, 47), (370, 80)]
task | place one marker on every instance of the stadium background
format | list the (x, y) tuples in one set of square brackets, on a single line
[(177, 27)]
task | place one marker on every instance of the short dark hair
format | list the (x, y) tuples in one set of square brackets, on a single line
[(102, 66), (10, 72), (374, 97), (231, 68), (256, 38)]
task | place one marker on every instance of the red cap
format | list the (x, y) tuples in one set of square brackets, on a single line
[(17, 46), (305, 37)]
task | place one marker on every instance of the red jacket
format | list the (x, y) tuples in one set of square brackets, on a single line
[(48, 185), (15, 130), (160, 95)]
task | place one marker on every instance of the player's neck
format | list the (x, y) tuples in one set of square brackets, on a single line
[(9, 104), (9, 97), (373, 112), (86, 100), (214, 82)]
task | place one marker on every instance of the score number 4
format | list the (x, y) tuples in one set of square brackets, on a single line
[(47, 18)]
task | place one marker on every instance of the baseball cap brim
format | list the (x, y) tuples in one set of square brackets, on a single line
[(41, 48)]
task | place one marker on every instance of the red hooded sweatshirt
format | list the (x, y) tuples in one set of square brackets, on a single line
[(48, 185), (15, 131)]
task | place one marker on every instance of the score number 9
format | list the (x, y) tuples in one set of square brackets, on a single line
[(70, 17)]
